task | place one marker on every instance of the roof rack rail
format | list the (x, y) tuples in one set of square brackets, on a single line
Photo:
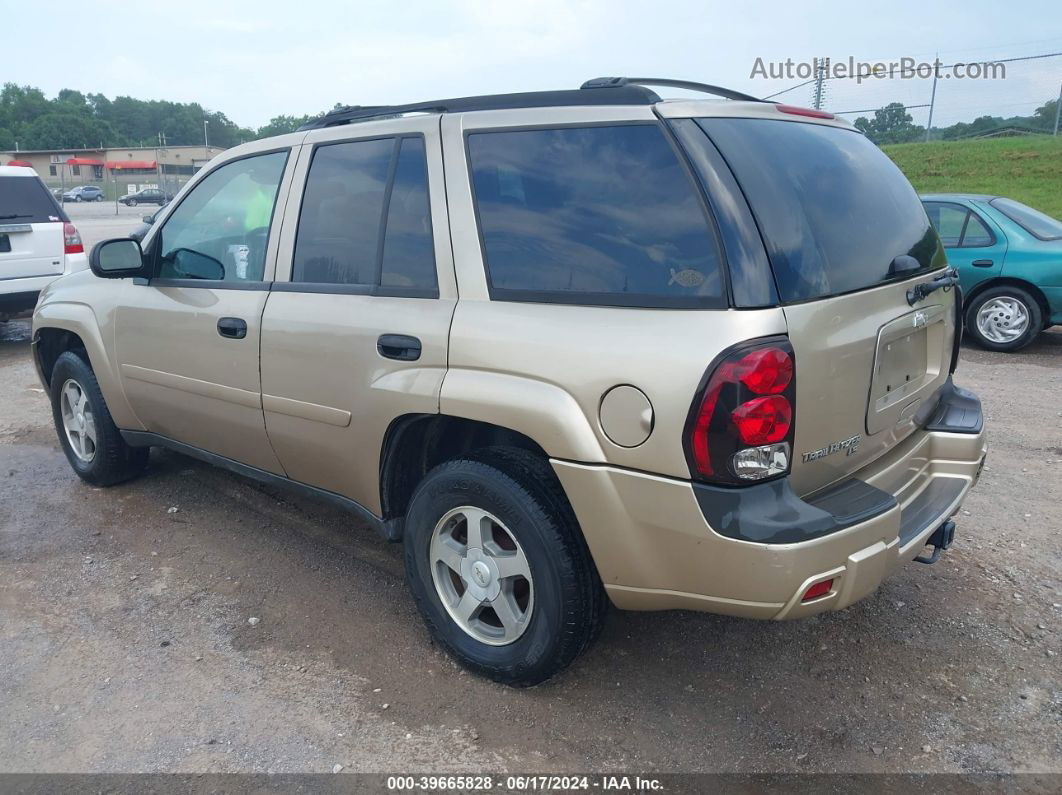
[(623, 82), (617, 95)]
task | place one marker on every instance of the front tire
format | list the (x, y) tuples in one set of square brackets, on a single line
[(131, 203), (499, 569), (89, 438), (1004, 318)]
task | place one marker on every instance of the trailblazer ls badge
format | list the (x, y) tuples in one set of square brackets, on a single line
[(849, 445)]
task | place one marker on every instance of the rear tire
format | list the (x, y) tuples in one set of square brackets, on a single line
[(89, 438), (1004, 318), (560, 604), (131, 203)]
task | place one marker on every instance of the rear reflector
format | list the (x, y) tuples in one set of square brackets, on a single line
[(72, 240), (817, 590), (795, 110)]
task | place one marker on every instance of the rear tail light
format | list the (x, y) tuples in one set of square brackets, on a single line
[(740, 427), (71, 240)]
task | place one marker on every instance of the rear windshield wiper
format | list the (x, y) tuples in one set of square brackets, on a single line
[(948, 278), (14, 215)]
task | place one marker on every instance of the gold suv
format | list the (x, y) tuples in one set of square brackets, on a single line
[(568, 347)]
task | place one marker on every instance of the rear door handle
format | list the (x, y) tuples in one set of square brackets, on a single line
[(232, 327), (398, 346), (982, 263)]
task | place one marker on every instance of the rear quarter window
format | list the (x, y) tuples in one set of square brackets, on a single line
[(833, 210), (25, 200), (593, 215)]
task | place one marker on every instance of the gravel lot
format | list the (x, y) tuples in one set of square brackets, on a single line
[(126, 641)]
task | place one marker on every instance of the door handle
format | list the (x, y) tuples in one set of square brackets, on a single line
[(982, 263), (398, 346), (232, 327)]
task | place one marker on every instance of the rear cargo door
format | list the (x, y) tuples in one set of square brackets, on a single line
[(31, 229), (847, 237)]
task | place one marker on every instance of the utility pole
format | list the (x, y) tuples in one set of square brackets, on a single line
[(1058, 109), (819, 95), (933, 95), (206, 138)]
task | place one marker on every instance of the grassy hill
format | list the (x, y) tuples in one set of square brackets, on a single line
[(1028, 169)]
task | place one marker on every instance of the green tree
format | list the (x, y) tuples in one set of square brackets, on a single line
[(279, 125), (891, 124)]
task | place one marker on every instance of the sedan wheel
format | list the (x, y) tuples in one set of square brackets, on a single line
[(1003, 319), (131, 203)]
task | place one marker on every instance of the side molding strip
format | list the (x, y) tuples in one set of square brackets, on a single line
[(182, 383), (306, 411)]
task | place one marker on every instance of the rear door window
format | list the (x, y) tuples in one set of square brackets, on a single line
[(834, 211), (365, 222), (25, 200), (593, 215)]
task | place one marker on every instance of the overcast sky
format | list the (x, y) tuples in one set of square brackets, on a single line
[(254, 60)]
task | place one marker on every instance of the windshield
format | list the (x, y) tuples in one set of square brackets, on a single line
[(25, 200), (833, 209), (1036, 223)]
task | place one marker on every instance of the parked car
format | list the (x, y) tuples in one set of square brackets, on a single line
[(145, 226), (1009, 258), (37, 241), (146, 196), (83, 193), (534, 374)]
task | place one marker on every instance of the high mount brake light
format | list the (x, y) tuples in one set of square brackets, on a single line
[(740, 427), (795, 110), (72, 240)]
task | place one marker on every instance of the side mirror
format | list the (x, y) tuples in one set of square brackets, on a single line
[(118, 258), (148, 219)]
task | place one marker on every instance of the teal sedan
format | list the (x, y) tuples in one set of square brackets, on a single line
[(1009, 258)]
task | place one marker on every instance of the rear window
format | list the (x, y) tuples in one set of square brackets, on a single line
[(25, 200), (834, 211), (1034, 222), (593, 215)]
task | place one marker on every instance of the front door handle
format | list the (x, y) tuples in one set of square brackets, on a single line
[(398, 346), (232, 327), (982, 263)]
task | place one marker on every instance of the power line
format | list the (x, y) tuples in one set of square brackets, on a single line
[(913, 70)]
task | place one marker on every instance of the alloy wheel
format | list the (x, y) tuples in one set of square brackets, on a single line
[(482, 575)]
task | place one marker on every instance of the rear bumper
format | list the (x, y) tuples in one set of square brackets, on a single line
[(656, 549)]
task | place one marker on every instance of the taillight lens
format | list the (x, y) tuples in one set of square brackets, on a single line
[(72, 239), (740, 427)]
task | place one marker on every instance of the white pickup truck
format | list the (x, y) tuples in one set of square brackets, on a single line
[(37, 241)]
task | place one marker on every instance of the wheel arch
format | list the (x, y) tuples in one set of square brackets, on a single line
[(60, 326), (1004, 281), (416, 443)]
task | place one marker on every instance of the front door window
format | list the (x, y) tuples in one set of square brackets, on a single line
[(220, 230)]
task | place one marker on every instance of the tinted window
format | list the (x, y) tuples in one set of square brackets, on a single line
[(409, 252), (349, 189), (592, 215), (1034, 222), (220, 230), (833, 209), (25, 200), (339, 224)]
